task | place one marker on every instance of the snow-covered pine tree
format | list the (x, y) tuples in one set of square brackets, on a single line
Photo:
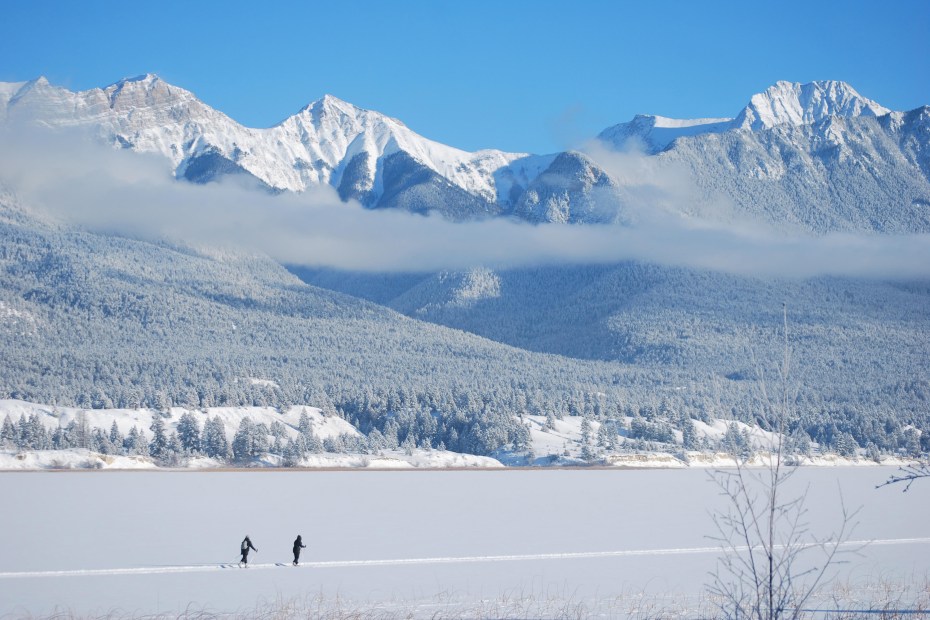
[(735, 442), (23, 433), (213, 441), (99, 442), (82, 429), (303, 424), (688, 434), (280, 437), (603, 435), (59, 439), (845, 445), (408, 445), (7, 433), (392, 442), (116, 438), (174, 451), (452, 444), (911, 442), (550, 421), (189, 433), (337, 444), (375, 440), (159, 444), (291, 453), (311, 442), (260, 434), (135, 443), (523, 440), (40, 438), (243, 440), (70, 436), (587, 452)]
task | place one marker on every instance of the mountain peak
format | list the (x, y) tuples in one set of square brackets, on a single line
[(147, 78), (801, 104), (332, 106), (146, 81), (331, 103), (145, 90), (13, 92), (40, 82), (332, 100)]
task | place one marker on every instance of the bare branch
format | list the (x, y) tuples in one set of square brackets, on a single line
[(908, 474)]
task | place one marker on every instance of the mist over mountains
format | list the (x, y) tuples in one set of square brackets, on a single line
[(639, 275), (815, 157)]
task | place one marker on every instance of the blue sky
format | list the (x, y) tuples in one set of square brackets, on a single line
[(520, 76)]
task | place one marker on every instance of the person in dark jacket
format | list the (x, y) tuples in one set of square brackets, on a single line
[(244, 549), (298, 545)]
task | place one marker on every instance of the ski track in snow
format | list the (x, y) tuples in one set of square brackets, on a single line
[(198, 568)]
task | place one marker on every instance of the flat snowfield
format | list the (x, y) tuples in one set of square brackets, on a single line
[(418, 543)]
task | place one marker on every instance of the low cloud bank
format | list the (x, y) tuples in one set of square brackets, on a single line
[(108, 190)]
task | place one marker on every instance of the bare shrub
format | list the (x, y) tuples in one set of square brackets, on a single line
[(772, 562)]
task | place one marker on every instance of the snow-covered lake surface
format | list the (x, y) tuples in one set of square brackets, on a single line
[(495, 542)]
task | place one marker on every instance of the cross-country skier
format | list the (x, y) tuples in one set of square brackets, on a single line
[(244, 549), (298, 545)]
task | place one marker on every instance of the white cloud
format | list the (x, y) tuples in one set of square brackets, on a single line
[(104, 189)]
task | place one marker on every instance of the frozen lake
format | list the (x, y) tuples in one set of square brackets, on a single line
[(603, 541)]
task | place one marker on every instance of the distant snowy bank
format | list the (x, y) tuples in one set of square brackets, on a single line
[(722, 459), (42, 437), (83, 459), (79, 458)]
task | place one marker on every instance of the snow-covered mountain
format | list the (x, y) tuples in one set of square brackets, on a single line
[(365, 155), (818, 156), (785, 103), (850, 174)]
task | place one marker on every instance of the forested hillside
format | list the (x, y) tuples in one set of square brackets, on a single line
[(106, 321), (860, 346), (100, 321)]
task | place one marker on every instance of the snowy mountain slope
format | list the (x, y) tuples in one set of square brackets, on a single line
[(858, 341), (814, 157), (653, 134), (913, 130), (837, 174), (573, 189), (329, 141)]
